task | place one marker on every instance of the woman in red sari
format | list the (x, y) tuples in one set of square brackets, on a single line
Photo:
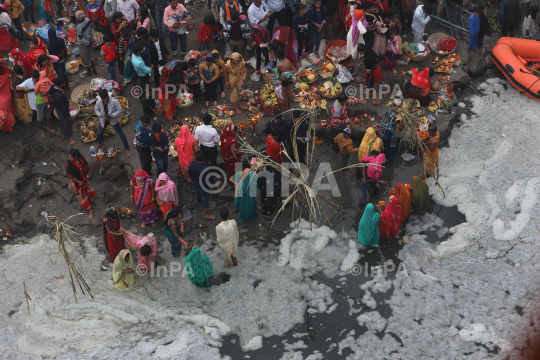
[(186, 146), (285, 36), (390, 221), (167, 95), (230, 149), (44, 63), (144, 195), (113, 233), (22, 59), (77, 169), (273, 147), (37, 48)]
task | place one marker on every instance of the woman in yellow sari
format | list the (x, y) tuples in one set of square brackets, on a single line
[(124, 270), (234, 78), (370, 142)]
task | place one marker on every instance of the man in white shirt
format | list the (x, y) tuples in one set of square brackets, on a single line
[(28, 87), (208, 137), (258, 14), (227, 237), (128, 8), (420, 20), (277, 7)]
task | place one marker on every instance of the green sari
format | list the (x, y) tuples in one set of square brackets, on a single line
[(368, 229), (245, 197), (123, 280), (419, 196), (199, 268)]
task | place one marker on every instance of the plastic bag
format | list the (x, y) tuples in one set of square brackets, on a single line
[(344, 76), (255, 77)]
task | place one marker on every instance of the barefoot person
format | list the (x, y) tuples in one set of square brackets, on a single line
[(147, 249), (144, 196), (113, 233), (200, 177), (61, 105), (234, 78), (245, 196), (227, 237), (77, 169), (124, 270), (285, 70), (173, 228), (109, 110)]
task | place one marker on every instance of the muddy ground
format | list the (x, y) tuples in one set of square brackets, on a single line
[(27, 160)]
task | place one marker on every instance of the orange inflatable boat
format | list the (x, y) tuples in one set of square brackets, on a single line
[(511, 56)]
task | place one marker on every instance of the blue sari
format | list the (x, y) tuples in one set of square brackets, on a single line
[(245, 198), (368, 229)]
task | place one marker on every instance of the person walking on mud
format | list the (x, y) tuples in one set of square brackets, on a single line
[(77, 169)]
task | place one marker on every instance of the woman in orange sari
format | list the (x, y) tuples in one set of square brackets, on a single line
[(404, 196), (230, 149), (144, 196), (77, 169), (44, 64), (186, 146), (166, 194), (391, 220)]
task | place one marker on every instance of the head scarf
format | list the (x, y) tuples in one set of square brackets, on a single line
[(55, 45), (391, 219), (184, 146), (37, 51), (199, 268), (23, 59), (227, 138), (263, 36), (419, 196), (120, 264), (235, 71), (167, 192), (80, 15), (367, 141), (368, 229), (404, 197), (420, 79), (358, 15)]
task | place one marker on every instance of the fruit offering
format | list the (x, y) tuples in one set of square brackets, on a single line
[(308, 75), (330, 90), (327, 69), (268, 95)]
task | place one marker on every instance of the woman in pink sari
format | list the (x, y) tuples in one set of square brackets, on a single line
[(147, 249), (143, 194), (186, 146), (391, 219), (287, 42), (166, 194)]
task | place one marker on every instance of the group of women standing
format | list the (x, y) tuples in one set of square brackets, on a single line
[(386, 222)]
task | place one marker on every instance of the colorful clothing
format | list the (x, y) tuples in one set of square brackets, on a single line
[(340, 114), (274, 150), (420, 196), (144, 263), (168, 100), (245, 197), (229, 142), (176, 244), (199, 268), (38, 50), (22, 59), (402, 192), (146, 207), (23, 112), (391, 219), (367, 143), (184, 145), (432, 158), (78, 169), (368, 228), (167, 195), (124, 280), (113, 243), (288, 43)]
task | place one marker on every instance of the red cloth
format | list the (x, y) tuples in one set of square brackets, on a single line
[(97, 15), (420, 79), (113, 243), (110, 53), (286, 42), (23, 59), (228, 140), (273, 149), (6, 100), (39, 49), (206, 33), (377, 75), (7, 42), (390, 221)]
